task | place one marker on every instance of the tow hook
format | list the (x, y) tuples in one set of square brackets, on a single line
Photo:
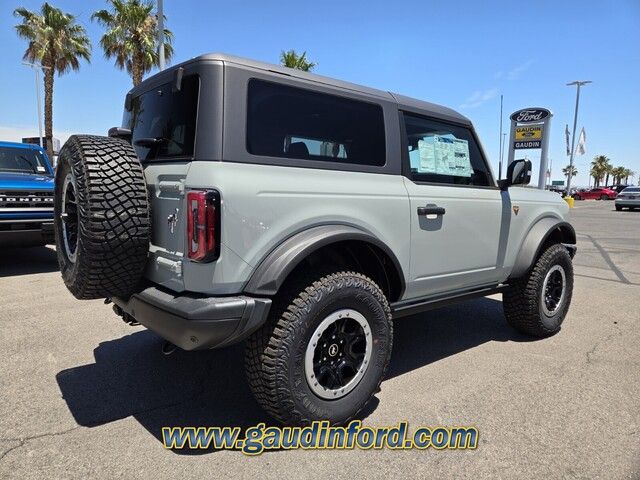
[(168, 348)]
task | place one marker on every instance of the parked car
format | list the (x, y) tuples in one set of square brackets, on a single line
[(628, 198), (242, 200), (26, 195), (619, 188), (598, 193)]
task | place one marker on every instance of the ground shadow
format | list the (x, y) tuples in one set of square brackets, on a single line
[(25, 261), (130, 376)]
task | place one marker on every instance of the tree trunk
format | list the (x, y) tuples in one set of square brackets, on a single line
[(136, 71), (607, 180), (48, 109)]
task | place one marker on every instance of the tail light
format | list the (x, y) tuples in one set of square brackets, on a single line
[(203, 225)]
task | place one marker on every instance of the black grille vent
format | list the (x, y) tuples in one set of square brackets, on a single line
[(26, 199)]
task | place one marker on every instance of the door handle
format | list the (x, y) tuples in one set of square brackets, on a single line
[(431, 210)]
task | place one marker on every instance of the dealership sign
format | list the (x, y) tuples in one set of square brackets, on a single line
[(530, 129)]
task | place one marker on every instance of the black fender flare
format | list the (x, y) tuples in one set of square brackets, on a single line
[(272, 271), (535, 239)]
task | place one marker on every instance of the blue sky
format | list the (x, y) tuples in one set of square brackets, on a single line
[(463, 54)]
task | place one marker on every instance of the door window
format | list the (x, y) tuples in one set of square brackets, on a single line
[(439, 152)]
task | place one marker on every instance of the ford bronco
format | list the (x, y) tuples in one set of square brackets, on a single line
[(245, 201), (26, 196)]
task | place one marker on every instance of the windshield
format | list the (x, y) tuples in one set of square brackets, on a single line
[(631, 190), (22, 160), (163, 120)]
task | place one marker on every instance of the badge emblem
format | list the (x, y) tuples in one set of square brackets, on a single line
[(516, 209), (172, 220)]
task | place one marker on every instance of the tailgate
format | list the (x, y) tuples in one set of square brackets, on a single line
[(165, 183)]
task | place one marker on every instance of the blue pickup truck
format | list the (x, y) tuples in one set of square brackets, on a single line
[(26, 196)]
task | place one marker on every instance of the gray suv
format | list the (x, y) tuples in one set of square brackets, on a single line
[(246, 201)]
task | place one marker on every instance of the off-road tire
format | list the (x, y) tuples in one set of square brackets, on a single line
[(274, 357), (522, 299), (113, 221)]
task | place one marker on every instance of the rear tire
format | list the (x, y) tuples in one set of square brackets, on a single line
[(289, 364), (102, 224), (537, 303)]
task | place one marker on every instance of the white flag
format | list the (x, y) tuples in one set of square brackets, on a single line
[(580, 149), (566, 136)]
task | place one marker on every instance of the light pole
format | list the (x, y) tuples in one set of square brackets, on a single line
[(578, 83), (161, 34), (36, 68), (504, 140)]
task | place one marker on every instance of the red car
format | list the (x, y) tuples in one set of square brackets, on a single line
[(595, 193)]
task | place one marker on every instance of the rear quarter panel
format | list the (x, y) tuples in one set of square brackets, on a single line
[(262, 205)]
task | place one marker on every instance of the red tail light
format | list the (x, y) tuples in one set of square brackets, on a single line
[(202, 225)]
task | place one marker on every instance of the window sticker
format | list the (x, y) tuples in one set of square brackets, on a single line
[(444, 155)]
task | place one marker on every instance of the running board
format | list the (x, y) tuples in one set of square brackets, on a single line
[(410, 307)]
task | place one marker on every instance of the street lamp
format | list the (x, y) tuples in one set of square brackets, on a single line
[(578, 84), (36, 67)]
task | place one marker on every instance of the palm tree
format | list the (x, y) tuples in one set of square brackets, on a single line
[(132, 36), (628, 173), (618, 174), (292, 60), (600, 165), (569, 168), (58, 44)]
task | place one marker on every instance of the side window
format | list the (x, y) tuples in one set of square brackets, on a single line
[(291, 122), (443, 153)]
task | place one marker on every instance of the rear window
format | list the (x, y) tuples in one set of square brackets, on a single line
[(295, 123), (631, 190), (163, 120), (22, 160)]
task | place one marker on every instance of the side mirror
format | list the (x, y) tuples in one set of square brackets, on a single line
[(518, 173), (119, 132)]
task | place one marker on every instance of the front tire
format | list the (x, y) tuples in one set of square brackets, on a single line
[(324, 352), (537, 303), (618, 208)]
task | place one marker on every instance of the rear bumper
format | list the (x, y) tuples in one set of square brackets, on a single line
[(194, 322), (627, 202), (23, 236)]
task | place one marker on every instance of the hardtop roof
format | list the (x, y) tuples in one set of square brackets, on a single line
[(29, 146), (404, 102)]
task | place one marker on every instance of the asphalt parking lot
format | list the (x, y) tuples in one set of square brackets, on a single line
[(85, 396)]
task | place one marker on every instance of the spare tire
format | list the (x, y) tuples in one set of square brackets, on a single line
[(102, 222)]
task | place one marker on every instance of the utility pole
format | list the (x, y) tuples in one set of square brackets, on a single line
[(500, 147), (161, 34), (577, 83), (36, 68)]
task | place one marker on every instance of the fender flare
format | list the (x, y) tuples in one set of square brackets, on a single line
[(272, 271), (536, 237)]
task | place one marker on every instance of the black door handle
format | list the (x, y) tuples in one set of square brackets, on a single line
[(431, 210)]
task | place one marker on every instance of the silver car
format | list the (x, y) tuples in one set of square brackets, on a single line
[(628, 198)]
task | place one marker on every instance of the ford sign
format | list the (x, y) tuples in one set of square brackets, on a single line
[(528, 115)]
